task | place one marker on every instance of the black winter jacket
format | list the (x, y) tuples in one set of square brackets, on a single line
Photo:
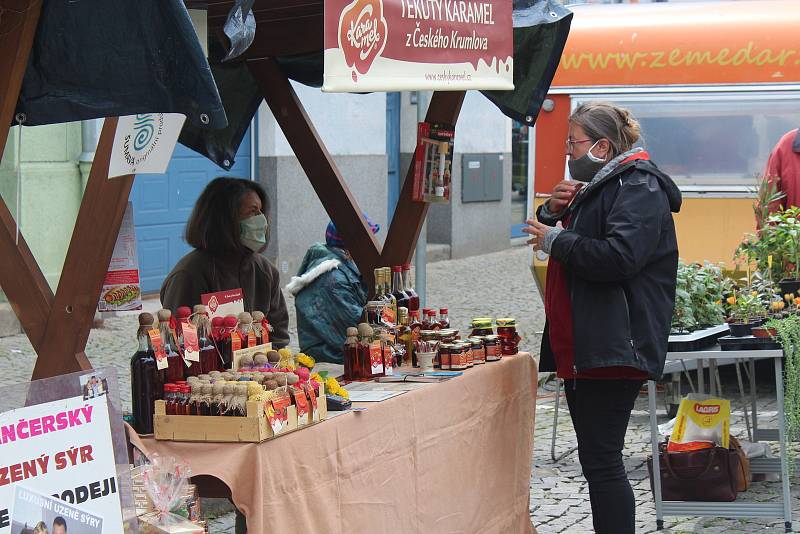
[(620, 254)]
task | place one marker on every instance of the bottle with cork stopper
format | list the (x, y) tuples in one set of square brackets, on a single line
[(147, 381)]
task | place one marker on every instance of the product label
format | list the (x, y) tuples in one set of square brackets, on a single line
[(312, 397), (191, 346), (158, 349), (376, 358), (236, 341), (491, 353), (301, 402), (469, 357), (279, 420), (389, 316), (251, 339), (388, 360), (444, 359)]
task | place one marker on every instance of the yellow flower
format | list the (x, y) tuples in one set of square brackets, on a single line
[(306, 361), (776, 305), (731, 301), (788, 297), (343, 393), (317, 378), (754, 293), (331, 385)]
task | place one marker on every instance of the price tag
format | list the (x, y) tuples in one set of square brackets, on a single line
[(280, 420), (301, 402), (191, 346), (312, 396), (236, 341), (251, 339), (158, 349)]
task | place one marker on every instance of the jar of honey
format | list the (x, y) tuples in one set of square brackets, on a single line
[(482, 326), (509, 339), (458, 359), (468, 353), (491, 345), (444, 356)]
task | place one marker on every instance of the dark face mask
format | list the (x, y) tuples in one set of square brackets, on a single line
[(585, 167)]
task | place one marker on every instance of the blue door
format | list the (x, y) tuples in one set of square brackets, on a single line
[(162, 204), (393, 150)]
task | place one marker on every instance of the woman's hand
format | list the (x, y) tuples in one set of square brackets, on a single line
[(562, 195), (537, 231)]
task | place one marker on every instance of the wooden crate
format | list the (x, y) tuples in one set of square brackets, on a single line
[(253, 428)]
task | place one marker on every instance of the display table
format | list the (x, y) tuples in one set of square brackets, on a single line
[(450, 457), (738, 508)]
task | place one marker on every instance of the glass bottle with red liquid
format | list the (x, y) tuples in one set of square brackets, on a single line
[(408, 288), (209, 357), (229, 327), (147, 382), (171, 399), (175, 365), (433, 321), (398, 290), (352, 363), (444, 319)]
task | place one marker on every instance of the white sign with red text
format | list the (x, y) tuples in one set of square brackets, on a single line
[(222, 303), (404, 45), (63, 449)]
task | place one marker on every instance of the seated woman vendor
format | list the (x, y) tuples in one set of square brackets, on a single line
[(229, 230)]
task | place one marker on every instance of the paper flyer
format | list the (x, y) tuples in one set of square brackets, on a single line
[(121, 289), (64, 449), (222, 303), (143, 143), (35, 513)]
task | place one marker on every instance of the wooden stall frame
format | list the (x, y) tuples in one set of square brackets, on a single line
[(58, 324)]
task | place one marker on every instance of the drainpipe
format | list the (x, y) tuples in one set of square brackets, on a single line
[(90, 135), (421, 253)]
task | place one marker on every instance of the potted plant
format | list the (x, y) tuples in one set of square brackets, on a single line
[(698, 297), (788, 334), (747, 312)]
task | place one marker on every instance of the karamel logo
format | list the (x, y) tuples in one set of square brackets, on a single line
[(362, 34), (711, 409), (147, 131), (213, 304)]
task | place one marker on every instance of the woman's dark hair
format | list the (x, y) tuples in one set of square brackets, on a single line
[(214, 223)]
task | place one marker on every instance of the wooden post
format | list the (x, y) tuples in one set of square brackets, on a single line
[(99, 219), (318, 165), (20, 277)]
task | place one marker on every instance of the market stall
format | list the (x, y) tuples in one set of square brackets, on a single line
[(256, 49)]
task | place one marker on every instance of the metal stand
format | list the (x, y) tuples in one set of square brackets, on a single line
[(736, 509), (555, 428)]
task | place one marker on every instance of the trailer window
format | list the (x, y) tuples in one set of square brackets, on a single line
[(716, 140)]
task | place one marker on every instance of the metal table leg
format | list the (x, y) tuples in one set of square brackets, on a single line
[(651, 401), (743, 399), (555, 428), (753, 397), (700, 380), (787, 495), (712, 378)]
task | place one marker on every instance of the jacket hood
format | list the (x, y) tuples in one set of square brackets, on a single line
[(667, 185)]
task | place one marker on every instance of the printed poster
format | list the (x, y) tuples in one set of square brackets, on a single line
[(35, 513), (404, 45), (62, 449), (121, 288), (222, 303), (143, 143)]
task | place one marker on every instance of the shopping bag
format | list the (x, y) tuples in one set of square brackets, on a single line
[(701, 423)]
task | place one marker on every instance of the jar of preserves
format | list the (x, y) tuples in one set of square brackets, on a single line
[(448, 335), (458, 357), (491, 345), (478, 351), (468, 352), (445, 351), (482, 326), (507, 332)]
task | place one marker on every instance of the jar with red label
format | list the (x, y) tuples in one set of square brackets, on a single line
[(468, 354), (509, 339), (170, 399), (478, 351), (458, 358), (445, 351), (491, 345)]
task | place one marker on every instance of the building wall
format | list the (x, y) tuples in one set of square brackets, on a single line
[(51, 190), (353, 128)]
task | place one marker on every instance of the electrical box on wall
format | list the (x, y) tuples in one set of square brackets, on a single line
[(481, 177)]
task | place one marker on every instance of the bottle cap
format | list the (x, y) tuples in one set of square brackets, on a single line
[(397, 269), (443, 311), (146, 319), (217, 321), (183, 312), (425, 311), (406, 266), (231, 321), (199, 308), (164, 315)]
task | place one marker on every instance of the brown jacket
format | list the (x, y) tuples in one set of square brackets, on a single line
[(201, 272)]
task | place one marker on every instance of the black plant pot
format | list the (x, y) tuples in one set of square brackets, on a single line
[(789, 285), (742, 329)]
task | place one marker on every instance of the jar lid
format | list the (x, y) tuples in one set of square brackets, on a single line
[(482, 322), (506, 322), (491, 338)]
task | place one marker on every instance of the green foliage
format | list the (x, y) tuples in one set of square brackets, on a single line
[(788, 330), (698, 296), (748, 307), (779, 238)]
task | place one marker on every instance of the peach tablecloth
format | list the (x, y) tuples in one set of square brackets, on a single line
[(449, 458)]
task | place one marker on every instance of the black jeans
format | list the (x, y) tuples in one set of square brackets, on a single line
[(600, 410)]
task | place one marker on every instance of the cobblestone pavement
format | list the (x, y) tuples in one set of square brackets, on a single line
[(496, 285)]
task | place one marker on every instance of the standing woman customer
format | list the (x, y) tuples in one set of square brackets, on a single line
[(610, 292)]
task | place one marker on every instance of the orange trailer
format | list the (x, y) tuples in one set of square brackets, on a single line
[(714, 85)]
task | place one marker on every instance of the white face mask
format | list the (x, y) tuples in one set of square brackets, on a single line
[(254, 232), (585, 167)]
